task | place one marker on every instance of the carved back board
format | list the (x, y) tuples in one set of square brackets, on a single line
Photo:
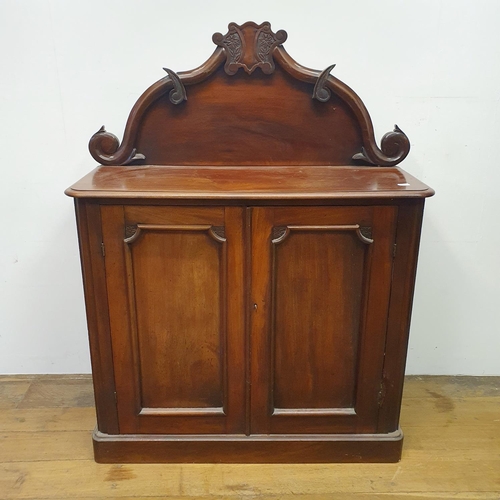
[(250, 103)]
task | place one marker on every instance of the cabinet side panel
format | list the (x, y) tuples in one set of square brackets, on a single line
[(94, 280), (405, 267), (178, 284), (318, 282)]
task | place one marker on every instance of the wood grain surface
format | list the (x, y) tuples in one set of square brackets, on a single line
[(177, 334), (251, 182), (297, 342)]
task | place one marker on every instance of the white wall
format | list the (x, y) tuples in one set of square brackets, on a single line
[(431, 66)]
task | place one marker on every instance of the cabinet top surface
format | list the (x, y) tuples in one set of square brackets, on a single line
[(258, 182)]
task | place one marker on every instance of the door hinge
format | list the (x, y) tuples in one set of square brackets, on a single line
[(381, 394), (116, 398), (103, 251), (394, 249)]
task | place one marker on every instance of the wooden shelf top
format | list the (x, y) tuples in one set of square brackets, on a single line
[(255, 182)]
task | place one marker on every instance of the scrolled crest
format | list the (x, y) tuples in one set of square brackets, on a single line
[(249, 46)]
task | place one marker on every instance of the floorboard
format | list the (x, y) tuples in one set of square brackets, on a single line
[(451, 451)]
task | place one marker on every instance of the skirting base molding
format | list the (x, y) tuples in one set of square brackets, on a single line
[(296, 448)]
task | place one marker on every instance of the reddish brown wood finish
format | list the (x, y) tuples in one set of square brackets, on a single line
[(295, 352), (253, 449), (403, 284), (249, 183), (180, 338), (94, 279), (181, 349), (306, 412), (270, 134), (249, 289), (316, 315)]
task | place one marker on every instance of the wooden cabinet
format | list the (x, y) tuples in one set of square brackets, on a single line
[(253, 313)]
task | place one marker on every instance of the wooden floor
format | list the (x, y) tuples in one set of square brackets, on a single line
[(451, 451)]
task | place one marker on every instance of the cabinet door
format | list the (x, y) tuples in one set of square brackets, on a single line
[(176, 299), (319, 300)]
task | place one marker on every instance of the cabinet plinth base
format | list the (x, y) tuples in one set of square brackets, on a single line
[(304, 448)]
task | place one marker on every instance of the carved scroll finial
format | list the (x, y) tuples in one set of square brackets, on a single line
[(321, 92), (178, 93), (249, 46), (105, 148), (394, 148)]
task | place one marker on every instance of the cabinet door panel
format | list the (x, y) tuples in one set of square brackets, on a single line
[(312, 269), (179, 299), (320, 290), (178, 341)]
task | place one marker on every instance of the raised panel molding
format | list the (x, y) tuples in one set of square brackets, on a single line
[(279, 235), (364, 233), (133, 233)]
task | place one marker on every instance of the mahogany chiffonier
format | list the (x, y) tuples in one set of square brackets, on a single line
[(249, 257)]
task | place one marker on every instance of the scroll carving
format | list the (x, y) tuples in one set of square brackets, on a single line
[(394, 148), (395, 145), (365, 234), (105, 148), (218, 233), (249, 46), (132, 232), (178, 93), (279, 234), (321, 92)]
